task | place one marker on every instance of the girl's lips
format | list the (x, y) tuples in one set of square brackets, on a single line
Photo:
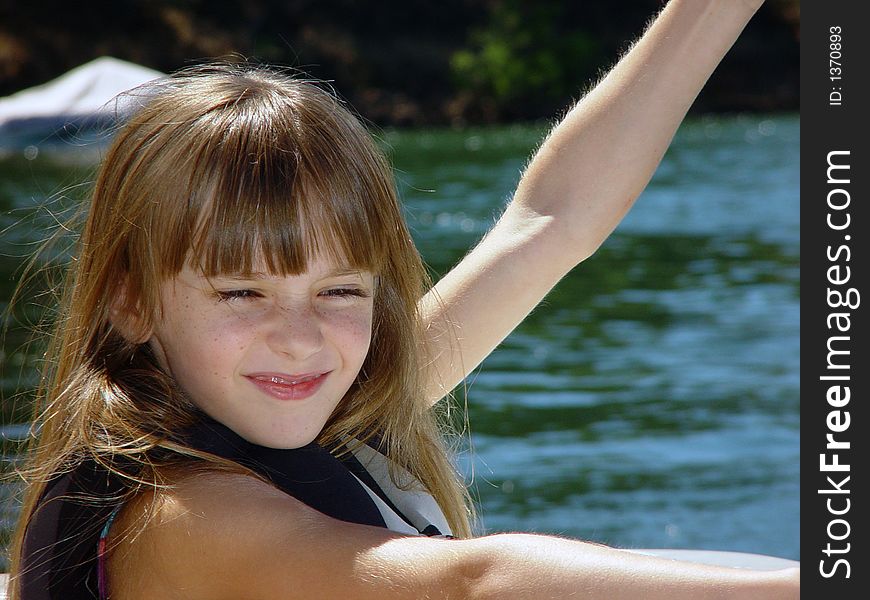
[(288, 387)]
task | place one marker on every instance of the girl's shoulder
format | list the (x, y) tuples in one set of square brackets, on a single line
[(195, 532), (232, 535)]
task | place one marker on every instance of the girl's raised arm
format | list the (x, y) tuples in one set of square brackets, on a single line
[(579, 185), (221, 535)]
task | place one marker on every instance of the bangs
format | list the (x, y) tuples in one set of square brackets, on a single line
[(271, 188), (249, 222)]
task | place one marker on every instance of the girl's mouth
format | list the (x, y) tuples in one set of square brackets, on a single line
[(288, 387)]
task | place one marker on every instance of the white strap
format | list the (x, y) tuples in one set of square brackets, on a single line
[(415, 503)]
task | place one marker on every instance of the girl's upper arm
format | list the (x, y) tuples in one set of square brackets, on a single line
[(224, 535)]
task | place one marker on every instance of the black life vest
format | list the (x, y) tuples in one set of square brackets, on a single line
[(59, 559)]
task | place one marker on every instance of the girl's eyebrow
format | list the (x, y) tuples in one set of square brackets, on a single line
[(344, 271)]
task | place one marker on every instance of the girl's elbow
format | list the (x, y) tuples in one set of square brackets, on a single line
[(483, 571)]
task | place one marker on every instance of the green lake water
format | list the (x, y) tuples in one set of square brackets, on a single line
[(652, 400)]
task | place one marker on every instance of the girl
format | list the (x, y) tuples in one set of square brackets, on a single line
[(238, 399)]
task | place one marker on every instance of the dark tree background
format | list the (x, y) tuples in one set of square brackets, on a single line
[(398, 62)]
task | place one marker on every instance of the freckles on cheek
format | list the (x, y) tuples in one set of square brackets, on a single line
[(360, 331), (355, 325)]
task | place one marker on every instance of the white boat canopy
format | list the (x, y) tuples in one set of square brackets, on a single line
[(85, 95)]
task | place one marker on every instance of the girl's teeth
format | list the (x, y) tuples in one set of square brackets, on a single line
[(291, 382)]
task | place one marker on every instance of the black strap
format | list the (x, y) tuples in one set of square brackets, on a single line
[(310, 474), (355, 466)]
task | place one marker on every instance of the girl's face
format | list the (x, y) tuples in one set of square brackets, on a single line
[(268, 356)]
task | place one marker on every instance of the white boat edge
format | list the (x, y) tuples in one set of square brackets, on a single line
[(739, 560), (722, 558)]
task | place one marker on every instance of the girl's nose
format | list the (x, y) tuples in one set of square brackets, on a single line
[(295, 331)]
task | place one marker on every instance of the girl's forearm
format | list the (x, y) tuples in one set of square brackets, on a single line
[(520, 566), (600, 157), (536, 567)]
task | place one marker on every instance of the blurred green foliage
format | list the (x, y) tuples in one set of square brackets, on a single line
[(400, 62), (523, 55)]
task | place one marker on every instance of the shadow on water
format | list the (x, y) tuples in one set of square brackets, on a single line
[(652, 399)]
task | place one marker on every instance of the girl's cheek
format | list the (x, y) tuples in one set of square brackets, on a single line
[(354, 325), (237, 319)]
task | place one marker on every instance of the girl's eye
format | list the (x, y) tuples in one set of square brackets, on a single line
[(345, 293), (224, 295)]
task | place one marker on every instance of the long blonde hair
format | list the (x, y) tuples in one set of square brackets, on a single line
[(222, 166)]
